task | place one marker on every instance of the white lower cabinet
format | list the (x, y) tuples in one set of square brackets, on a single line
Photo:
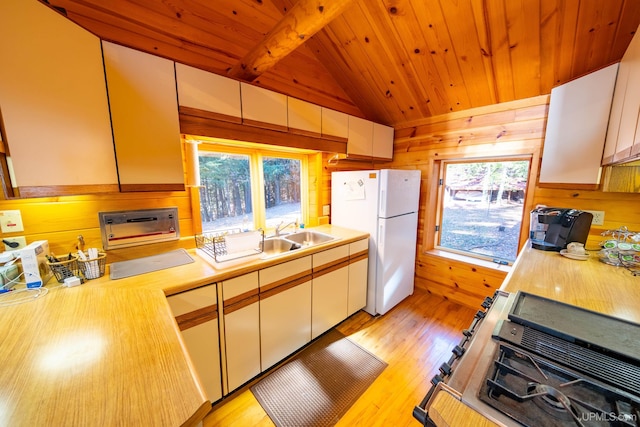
[(285, 309), (241, 329), (196, 312), (330, 289), (358, 272)]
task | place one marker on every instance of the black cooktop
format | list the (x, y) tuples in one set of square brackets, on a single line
[(560, 365)]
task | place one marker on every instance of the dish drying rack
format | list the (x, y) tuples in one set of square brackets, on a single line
[(230, 244)]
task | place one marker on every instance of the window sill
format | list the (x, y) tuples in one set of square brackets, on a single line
[(469, 260)]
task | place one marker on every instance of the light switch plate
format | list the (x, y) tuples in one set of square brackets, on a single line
[(11, 221), (326, 210)]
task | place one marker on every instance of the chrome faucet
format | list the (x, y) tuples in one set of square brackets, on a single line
[(281, 227)]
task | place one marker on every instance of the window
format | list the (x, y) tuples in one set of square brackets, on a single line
[(243, 188), (481, 206)]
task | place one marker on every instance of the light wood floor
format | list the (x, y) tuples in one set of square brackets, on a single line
[(414, 339)]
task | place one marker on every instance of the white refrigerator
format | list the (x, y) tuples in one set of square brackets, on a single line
[(383, 203)]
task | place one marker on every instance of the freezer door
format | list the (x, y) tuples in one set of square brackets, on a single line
[(354, 200), (395, 261), (399, 192)]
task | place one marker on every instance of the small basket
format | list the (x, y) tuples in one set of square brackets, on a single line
[(94, 267), (64, 269)]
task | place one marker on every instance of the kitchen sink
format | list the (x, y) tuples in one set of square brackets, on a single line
[(309, 238), (276, 245)]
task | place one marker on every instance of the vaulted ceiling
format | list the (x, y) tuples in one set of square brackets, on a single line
[(392, 61)]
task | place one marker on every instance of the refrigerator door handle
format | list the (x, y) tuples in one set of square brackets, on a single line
[(381, 236), (383, 203)]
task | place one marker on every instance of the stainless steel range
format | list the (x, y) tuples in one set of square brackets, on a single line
[(535, 361)]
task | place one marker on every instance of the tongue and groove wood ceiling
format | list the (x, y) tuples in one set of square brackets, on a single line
[(395, 62)]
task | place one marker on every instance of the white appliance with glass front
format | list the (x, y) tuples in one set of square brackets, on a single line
[(383, 203)]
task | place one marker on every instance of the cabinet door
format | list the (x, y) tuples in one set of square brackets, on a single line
[(285, 321), (241, 329), (329, 299), (358, 272), (335, 123), (576, 129), (304, 117), (54, 103), (209, 92), (616, 114), (360, 143), (264, 108), (631, 105), (382, 142), (285, 309), (144, 114), (197, 316)]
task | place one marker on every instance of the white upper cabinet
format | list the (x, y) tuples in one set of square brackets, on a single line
[(208, 92), (360, 143), (576, 128), (144, 114), (264, 108), (54, 103), (304, 116), (334, 123), (623, 140), (369, 140), (382, 142)]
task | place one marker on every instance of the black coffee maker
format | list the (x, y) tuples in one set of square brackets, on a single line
[(553, 228)]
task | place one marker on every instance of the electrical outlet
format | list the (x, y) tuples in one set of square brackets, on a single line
[(326, 210), (21, 241), (598, 217)]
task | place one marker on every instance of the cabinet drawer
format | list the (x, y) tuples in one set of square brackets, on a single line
[(330, 257), (281, 274), (194, 307), (356, 248), (239, 288)]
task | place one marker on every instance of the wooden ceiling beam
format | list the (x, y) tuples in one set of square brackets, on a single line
[(301, 22)]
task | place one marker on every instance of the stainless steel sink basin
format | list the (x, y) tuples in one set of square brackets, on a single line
[(276, 245), (309, 238)]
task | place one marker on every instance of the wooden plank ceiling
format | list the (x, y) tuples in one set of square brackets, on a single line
[(392, 61)]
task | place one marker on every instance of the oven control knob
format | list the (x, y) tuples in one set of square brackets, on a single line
[(480, 314), (445, 368), (458, 351), (487, 302), (513, 331), (467, 332), (436, 379)]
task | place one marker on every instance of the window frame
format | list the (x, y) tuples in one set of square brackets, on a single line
[(435, 193), (256, 152)]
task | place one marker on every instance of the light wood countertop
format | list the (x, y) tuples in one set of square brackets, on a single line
[(80, 356), (109, 352), (589, 284)]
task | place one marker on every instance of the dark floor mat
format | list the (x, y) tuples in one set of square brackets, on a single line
[(319, 384)]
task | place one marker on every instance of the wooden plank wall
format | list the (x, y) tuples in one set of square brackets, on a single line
[(60, 220), (492, 130)]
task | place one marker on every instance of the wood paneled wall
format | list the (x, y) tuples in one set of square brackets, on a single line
[(494, 130), (477, 132), (60, 220)]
